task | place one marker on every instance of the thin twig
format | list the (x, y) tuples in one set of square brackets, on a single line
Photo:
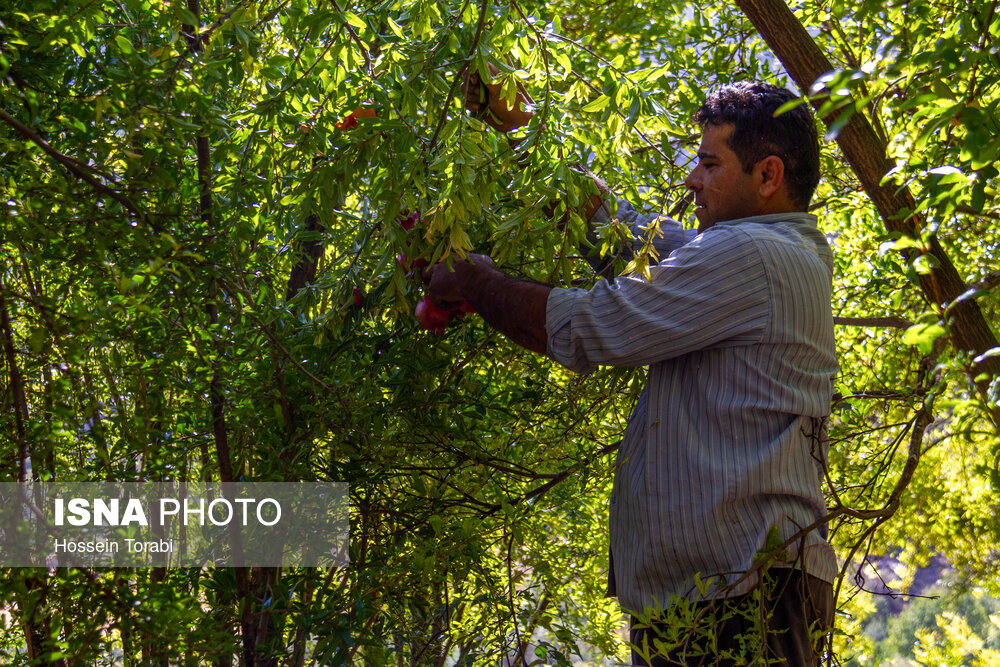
[(480, 23), (357, 40)]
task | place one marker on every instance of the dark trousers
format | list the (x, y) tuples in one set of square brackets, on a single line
[(784, 621)]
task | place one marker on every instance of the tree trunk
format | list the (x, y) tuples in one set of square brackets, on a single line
[(866, 154), (217, 399), (16, 386)]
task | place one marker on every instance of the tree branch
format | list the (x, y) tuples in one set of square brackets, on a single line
[(891, 322), (357, 40), (217, 399), (989, 281), (968, 210), (74, 166)]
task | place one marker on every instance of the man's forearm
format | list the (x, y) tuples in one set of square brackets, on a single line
[(514, 307)]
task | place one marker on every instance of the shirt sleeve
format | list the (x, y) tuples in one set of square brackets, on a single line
[(708, 293)]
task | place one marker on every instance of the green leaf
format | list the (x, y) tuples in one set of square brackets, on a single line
[(923, 336), (124, 44), (355, 20), (598, 104), (394, 26), (789, 105), (833, 131), (37, 340), (563, 59)]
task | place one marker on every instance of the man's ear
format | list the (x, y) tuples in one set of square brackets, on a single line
[(770, 175)]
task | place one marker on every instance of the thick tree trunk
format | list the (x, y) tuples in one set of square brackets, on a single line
[(217, 399), (304, 269), (866, 154), (16, 387)]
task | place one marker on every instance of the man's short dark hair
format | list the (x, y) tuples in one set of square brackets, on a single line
[(750, 107)]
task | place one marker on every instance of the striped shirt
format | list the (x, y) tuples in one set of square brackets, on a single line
[(736, 328)]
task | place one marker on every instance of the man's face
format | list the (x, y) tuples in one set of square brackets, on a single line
[(722, 190)]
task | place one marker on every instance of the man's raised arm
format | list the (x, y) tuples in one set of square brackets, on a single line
[(484, 100)]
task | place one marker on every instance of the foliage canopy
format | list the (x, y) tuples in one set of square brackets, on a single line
[(186, 215)]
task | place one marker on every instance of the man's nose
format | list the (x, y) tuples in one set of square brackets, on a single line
[(693, 181)]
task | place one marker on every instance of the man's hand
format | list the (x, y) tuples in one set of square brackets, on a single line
[(514, 307), (448, 288), (484, 101)]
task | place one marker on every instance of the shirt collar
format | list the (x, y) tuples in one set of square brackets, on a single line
[(791, 216)]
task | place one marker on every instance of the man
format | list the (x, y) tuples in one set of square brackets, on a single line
[(716, 501)]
